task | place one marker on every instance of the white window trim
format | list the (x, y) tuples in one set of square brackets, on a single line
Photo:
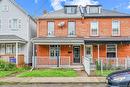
[(50, 53), (107, 50), (91, 29), (68, 30), (15, 29), (119, 28), (48, 30)]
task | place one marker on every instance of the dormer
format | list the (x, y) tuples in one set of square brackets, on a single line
[(70, 9), (93, 9)]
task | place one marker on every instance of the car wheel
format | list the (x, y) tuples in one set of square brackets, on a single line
[(128, 84)]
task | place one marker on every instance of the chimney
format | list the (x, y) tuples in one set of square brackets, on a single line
[(45, 12)]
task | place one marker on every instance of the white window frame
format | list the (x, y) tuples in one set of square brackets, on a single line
[(119, 25), (94, 11), (72, 10), (72, 31), (54, 48), (17, 26), (91, 29), (5, 8), (50, 32), (111, 51), (2, 49)]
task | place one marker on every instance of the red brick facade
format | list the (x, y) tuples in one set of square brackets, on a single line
[(83, 30)]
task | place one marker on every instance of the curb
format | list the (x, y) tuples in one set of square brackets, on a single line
[(82, 80)]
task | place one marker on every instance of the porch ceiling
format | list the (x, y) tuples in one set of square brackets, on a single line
[(57, 40), (11, 39), (107, 40)]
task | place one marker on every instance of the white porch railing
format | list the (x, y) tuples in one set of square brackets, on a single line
[(86, 63), (46, 61)]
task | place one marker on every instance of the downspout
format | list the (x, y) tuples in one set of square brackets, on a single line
[(57, 55), (33, 58)]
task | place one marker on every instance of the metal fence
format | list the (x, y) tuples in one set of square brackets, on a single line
[(46, 61), (112, 64)]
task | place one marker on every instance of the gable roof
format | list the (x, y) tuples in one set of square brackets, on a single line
[(21, 9), (59, 14)]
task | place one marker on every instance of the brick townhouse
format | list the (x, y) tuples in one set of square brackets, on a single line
[(68, 36)]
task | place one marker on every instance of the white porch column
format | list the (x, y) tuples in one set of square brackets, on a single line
[(33, 57), (16, 53), (98, 53), (84, 51)]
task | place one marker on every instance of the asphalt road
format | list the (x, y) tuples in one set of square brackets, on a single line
[(55, 85)]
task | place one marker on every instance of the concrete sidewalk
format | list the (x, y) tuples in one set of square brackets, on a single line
[(53, 80)]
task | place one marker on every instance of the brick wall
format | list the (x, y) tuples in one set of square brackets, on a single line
[(83, 27)]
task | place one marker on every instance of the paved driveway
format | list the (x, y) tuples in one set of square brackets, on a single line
[(55, 85)]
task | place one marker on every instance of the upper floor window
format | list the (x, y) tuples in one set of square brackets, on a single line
[(50, 28), (70, 10), (93, 9), (111, 51), (115, 28), (71, 29), (15, 24), (94, 28), (5, 8)]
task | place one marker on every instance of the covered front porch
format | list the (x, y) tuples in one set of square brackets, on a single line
[(58, 52), (108, 50), (11, 49)]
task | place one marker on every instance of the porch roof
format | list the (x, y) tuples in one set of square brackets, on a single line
[(11, 39), (109, 40), (58, 40)]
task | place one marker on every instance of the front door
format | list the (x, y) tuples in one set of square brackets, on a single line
[(76, 54), (89, 52)]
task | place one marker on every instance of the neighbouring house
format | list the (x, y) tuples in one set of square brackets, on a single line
[(16, 30), (67, 37)]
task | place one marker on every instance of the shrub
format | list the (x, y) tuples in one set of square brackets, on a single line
[(6, 66)]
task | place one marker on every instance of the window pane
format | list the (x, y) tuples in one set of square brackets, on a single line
[(68, 10), (111, 51), (2, 48), (15, 24), (94, 28), (115, 27), (50, 28), (71, 10), (111, 55), (71, 28), (8, 48), (94, 9)]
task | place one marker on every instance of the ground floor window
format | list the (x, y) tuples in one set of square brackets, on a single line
[(9, 48), (54, 52), (111, 51)]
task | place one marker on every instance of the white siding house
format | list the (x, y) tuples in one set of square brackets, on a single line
[(16, 30)]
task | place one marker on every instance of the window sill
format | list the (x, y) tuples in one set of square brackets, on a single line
[(71, 35), (50, 36)]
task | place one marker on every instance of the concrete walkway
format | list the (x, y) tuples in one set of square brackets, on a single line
[(53, 80)]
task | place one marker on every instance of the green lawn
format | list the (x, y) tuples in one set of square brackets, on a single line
[(105, 72), (6, 73), (50, 73)]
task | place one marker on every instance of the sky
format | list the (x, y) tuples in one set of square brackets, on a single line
[(36, 7)]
